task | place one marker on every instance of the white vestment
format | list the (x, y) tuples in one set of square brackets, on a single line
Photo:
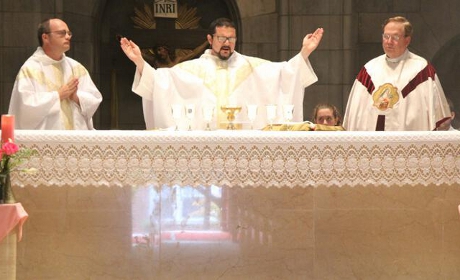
[(35, 101), (208, 80), (396, 94)]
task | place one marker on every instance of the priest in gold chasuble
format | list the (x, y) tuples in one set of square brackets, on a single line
[(53, 91), (222, 76)]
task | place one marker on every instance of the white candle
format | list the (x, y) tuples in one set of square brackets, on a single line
[(271, 113), (176, 111)]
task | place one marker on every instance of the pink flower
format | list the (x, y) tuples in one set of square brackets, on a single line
[(10, 148)]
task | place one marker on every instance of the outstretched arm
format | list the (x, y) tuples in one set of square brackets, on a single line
[(133, 52), (311, 42)]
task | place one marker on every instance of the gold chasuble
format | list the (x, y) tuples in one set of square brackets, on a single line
[(66, 110), (35, 103), (222, 80), (221, 91), (211, 82)]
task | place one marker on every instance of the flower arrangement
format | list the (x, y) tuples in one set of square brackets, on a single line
[(11, 157)]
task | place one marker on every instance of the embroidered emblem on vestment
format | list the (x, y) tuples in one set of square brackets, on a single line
[(385, 97)]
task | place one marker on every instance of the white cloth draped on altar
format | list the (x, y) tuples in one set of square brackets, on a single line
[(241, 158)]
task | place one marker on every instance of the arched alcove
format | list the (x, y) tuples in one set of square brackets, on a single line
[(121, 108), (447, 64)]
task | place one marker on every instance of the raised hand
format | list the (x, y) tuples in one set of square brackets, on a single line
[(132, 51), (311, 42)]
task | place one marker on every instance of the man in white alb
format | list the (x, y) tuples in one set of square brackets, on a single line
[(398, 90), (222, 76), (53, 91)]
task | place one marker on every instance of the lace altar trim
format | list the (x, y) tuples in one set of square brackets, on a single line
[(240, 158)]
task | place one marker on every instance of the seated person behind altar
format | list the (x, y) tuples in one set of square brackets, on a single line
[(53, 91), (447, 125), (397, 90), (220, 77), (326, 114)]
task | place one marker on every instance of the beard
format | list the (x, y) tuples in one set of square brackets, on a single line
[(224, 53)]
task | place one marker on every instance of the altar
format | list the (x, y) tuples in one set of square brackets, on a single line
[(240, 205)]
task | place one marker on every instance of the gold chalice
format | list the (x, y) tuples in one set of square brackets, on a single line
[(231, 112)]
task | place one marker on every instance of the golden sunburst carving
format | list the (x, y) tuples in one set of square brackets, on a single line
[(144, 19), (186, 18)]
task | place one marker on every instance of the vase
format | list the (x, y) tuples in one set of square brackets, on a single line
[(6, 193)]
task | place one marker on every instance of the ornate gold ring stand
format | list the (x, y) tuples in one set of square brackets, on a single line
[(231, 112)]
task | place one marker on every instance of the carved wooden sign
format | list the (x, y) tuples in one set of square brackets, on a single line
[(165, 8)]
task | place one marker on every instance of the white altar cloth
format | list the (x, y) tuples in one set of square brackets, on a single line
[(240, 158)]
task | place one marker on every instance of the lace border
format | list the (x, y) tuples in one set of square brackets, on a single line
[(240, 158)]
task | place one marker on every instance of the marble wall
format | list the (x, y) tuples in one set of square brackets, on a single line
[(240, 233)]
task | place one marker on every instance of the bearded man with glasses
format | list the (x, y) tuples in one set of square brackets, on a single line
[(220, 77), (398, 90), (53, 91)]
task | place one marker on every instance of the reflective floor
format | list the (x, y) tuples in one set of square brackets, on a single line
[(240, 233)]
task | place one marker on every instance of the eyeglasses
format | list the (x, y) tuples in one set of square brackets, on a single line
[(393, 37), (61, 33), (222, 39)]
